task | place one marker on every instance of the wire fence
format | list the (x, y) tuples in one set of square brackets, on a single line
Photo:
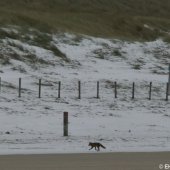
[(80, 89)]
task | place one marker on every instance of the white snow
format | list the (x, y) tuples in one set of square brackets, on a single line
[(32, 125)]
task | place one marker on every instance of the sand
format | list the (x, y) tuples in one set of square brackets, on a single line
[(91, 161)]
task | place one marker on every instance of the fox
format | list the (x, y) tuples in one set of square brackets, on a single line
[(96, 146)]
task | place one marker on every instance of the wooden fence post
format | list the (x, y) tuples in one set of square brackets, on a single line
[(98, 90), (133, 90), (0, 84), (59, 89), (79, 90), (39, 95), (167, 91), (150, 90), (169, 81), (115, 89), (65, 124), (19, 90)]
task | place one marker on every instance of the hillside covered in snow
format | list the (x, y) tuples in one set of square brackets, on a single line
[(30, 124), (130, 19)]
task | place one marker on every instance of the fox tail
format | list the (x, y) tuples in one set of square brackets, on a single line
[(102, 146)]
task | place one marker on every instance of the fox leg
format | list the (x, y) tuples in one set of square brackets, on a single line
[(91, 148), (96, 148)]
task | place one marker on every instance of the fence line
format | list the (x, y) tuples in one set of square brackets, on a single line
[(97, 87)]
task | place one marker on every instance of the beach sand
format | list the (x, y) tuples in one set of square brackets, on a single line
[(91, 161)]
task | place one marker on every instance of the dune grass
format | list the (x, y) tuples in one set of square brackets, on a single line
[(104, 18)]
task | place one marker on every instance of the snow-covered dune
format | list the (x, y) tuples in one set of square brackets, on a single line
[(35, 125)]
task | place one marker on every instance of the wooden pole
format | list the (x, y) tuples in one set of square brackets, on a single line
[(169, 81), (59, 89), (167, 90), (150, 90), (115, 89), (65, 124), (0, 84), (79, 90), (98, 90), (133, 90), (39, 95), (19, 87)]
